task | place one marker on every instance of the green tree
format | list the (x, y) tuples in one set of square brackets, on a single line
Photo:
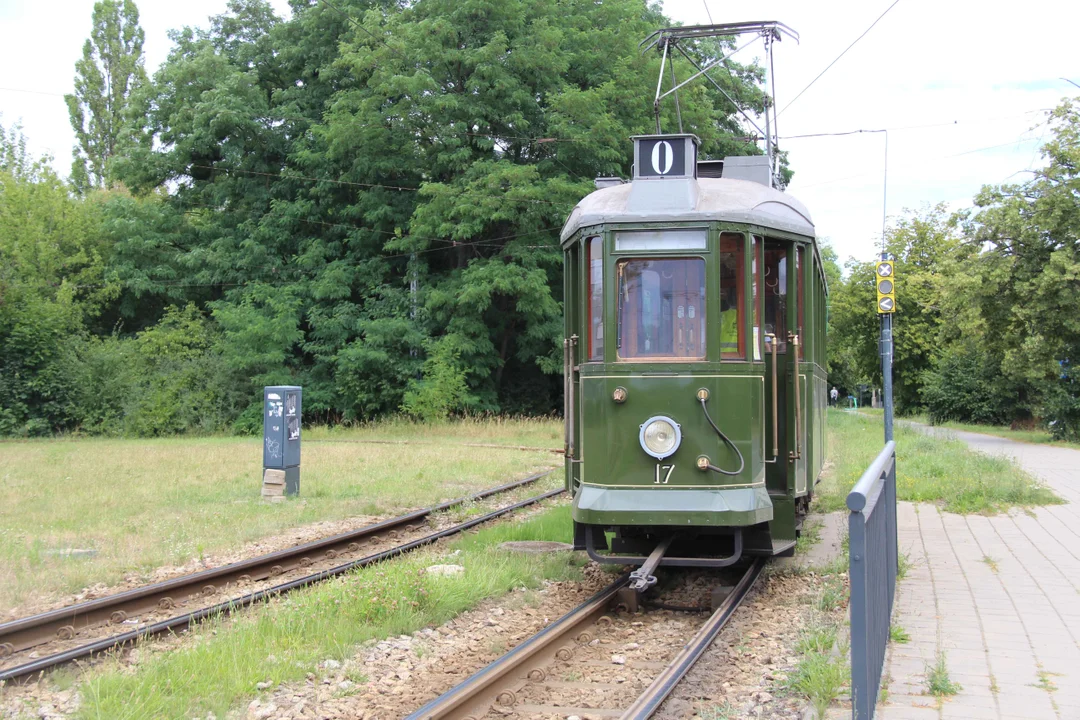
[(500, 113), (111, 67), (1015, 296), (51, 279), (442, 390), (841, 364), (924, 244), (14, 159), (360, 186)]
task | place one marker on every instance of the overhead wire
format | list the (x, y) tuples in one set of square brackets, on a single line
[(489, 241), (977, 121), (370, 34), (792, 101), (292, 269), (536, 140), (922, 160), (31, 92)]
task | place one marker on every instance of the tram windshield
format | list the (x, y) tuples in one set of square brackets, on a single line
[(661, 309)]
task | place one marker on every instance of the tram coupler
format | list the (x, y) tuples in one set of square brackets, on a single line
[(642, 579)]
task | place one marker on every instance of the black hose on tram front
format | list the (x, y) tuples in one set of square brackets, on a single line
[(725, 438)]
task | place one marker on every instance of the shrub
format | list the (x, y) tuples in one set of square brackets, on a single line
[(963, 385), (170, 378), (39, 382), (442, 390), (1062, 405)]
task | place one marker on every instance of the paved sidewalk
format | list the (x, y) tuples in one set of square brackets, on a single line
[(998, 596)]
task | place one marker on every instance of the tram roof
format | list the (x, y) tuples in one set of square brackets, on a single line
[(696, 199)]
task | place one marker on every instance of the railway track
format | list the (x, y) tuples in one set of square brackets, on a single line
[(199, 591), (543, 676)]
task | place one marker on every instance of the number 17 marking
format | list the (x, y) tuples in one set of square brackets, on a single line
[(660, 470)]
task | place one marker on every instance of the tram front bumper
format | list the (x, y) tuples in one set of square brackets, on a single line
[(693, 507)]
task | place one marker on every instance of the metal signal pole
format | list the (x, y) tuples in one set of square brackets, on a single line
[(886, 318)]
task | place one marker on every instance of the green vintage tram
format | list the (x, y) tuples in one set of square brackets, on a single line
[(694, 361)]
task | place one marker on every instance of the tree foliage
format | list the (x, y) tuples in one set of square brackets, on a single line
[(389, 185), (110, 68), (1018, 299), (49, 251), (365, 199), (986, 328)]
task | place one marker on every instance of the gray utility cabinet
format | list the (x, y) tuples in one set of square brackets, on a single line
[(281, 432)]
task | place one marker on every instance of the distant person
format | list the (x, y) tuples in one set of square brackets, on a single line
[(833, 395)]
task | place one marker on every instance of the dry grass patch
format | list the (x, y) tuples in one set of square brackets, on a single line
[(534, 432)]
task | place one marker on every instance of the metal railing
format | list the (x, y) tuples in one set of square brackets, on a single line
[(872, 567)]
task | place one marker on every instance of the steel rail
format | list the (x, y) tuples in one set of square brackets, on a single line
[(497, 683), (650, 700), (223, 608), (66, 622), (467, 700)]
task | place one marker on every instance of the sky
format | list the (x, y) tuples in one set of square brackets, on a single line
[(962, 88)]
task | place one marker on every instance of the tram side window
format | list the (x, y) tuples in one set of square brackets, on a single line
[(800, 301), (661, 309), (732, 297), (776, 295), (756, 271), (594, 258)]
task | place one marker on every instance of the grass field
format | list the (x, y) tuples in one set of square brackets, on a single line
[(929, 469), (142, 504)]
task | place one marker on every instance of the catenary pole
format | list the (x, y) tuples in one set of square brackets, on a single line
[(886, 367), (886, 319)]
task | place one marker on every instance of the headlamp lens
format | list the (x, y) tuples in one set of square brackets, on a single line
[(660, 437)]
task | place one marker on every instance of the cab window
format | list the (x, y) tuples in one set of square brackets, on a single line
[(776, 293), (799, 300), (594, 260), (661, 309), (756, 273), (732, 297)]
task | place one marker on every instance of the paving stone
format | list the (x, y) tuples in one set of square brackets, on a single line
[(997, 626), (918, 701), (894, 712), (955, 709)]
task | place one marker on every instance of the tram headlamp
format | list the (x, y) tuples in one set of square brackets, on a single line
[(660, 436)]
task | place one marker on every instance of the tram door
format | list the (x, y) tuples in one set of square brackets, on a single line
[(780, 324), (584, 339)]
